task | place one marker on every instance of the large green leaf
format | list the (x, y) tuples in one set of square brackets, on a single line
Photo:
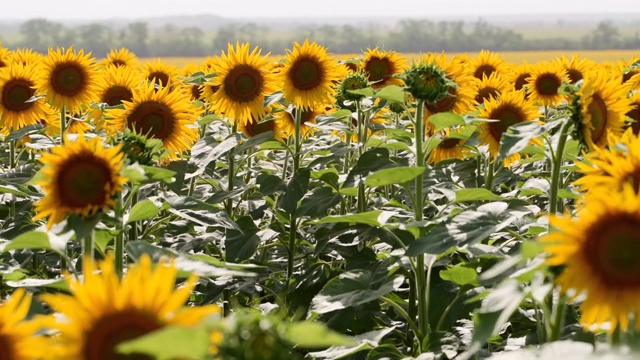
[(371, 161), (395, 175), (444, 120), (29, 240), (565, 350), (172, 342), (517, 137), (242, 244), (366, 341), (373, 218), (317, 203), (295, 190), (309, 334), (476, 194), (143, 210), (460, 275), (392, 93)]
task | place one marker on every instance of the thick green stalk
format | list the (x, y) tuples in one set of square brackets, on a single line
[(293, 219), (88, 245), (297, 143), (556, 167), (119, 240), (63, 123)]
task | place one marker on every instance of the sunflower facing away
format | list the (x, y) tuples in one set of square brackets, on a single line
[(308, 76), (381, 66), (163, 114), (18, 339), (244, 78), (509, 109), (80, 177), (102, 311), (461, 99), (599, 251), (17, 86), (603, 108), (120, 57), (544, 83), (69, 79)]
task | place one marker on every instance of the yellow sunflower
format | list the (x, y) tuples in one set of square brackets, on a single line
[(603, 108), (451, 146), (634, 113), (485, 64), (80, 177), (490, 87), (599, 252), (120, 57), (18, 339), (257, 127), (285, 120), (576, 67), (461, 99), (69, 79), (509, 109), (381, 66), (162, 114), (26, 57), (244, 79), (5, 56), (160, 73), (17, 86), (308, 75), (517, 75), (621, 67), (544, 83), (352, 62), (610, 169), (195, 91), (103, 311), (116, 84)]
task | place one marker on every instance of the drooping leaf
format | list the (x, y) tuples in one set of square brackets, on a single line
[(143, 210), (517, 137), (395, 175), (371, 161)]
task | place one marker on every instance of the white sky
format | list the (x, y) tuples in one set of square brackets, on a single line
[(131, 9)]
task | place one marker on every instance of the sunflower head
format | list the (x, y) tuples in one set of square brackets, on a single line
[(285, 119), (576, 68), (69, 79), (545, 82), (160, 73), (81, 177), (140, 149), (26, 57), (628, 70), (517, 75), (120, 58), (490, 87), (259, 126), (485, 64), (117, 83), (451, 146), (355, 81), (634, 113), (427, 82), (380, 67), (461, 97), (5, 56)]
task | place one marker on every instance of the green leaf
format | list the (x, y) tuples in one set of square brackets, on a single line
[(172, 342), (354, 288), (24, 131), (255, 141), (296, 189), (566, 350), (372, 218), (395, 175), (392, 93), (10, 189), (366, 341), (309, 334), (369, 162), (272, 99), (368, 92), (517, 137), (317, 203), (158, 174), (29, 240), (444, 120), (476, 194), (460, 275), (209, 119), (143, 210), (242, 244)]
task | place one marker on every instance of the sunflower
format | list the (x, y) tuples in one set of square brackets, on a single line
[(69, 79), (603, 108), (120, 57), (381, 66), (509, 109), (195, 91), (244, 79), (575, 67), (5, 56), (308, 76), (103, 311), (160, 73), (285, 120), (544, 83), (485, 64), (461, 99), (18, 339), (634, 113), (599, 251), (490, 87), (518, 75), (612, 168), (17, 86), (621, 67), (352, 62), (116, 84), (162, 114), (258, 126), (26, 57), (81, 177), (451, 146)]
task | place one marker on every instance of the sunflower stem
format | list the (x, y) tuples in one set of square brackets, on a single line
[(119, 241), (556, 167), (297, 143), (232, 169), (488, 182), (63, 123), (362, 198), (87, 245), (133, 232), (557, 321)]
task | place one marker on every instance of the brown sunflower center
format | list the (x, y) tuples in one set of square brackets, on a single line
[(84, 180), (521, 81), (2, 64), (306, 73), (254, 128), (449, 143), (598, 112), (159, 78), (611, 248), (196, 92), (629, 75), (507, 116), (154, 119), (485, 93), (574, 75), (7, 348), (243, 83), (113, 329), (445, 104), (548, 84), (635, 115), (484, 70), (116, 94), (68, 79), (378, 69), (118, 63), (353, 67), (15, 94)]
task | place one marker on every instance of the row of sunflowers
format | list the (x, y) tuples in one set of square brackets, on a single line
[(304, 206)]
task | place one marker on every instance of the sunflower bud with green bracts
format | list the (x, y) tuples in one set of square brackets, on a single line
[(142, 150), (427, 82), (355, 81)]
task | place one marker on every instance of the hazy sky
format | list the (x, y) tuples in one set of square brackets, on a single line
[(100, 9)]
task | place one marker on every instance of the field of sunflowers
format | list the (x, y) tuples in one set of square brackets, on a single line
[(318, 207)]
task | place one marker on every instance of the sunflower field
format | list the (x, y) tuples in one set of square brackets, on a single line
[(315, 206)]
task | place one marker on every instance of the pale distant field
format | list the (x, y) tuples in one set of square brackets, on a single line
[(511, 56)]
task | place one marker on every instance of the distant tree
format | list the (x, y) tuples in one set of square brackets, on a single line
[(40, 34), (135, 37)]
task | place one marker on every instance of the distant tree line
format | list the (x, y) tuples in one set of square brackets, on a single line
[(407, 36)]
